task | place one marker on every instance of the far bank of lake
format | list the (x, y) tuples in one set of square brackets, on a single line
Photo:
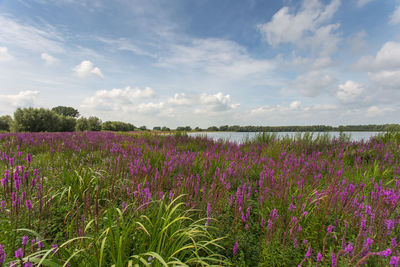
[(240, 137)]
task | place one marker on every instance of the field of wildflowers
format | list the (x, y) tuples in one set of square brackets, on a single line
[(108, 199)]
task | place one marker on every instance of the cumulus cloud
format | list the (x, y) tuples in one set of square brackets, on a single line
[(22, 99), (375, 111), (118, 99), (86, 69), (383, 70), (395, 17), (48, 59), (180, 100), (349, 91), (216, 103), (313, 83), (388, 57), (306, 27), (4, 55)]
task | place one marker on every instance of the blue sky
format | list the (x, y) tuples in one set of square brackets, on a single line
[(203, 63)]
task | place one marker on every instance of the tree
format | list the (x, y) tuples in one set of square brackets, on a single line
[(67, 124), (117, 126), (156, 128), (94, 124), (35, 120), (165, 129), (66, 111), (143, 128), (82, 124), (5, 123)]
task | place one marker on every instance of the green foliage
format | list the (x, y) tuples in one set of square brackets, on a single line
[(165, 129), (88, 124), (5, 123), (118, 126), (67, 124), (156, 128), (183, 129), (66, 111), (82, 124), (35, 120)]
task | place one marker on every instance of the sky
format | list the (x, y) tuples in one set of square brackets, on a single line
[(205, 62)]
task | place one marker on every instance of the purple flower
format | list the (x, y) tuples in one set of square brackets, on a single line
[(18, 253), (394, 261), (394, 243), (28, 264), (28, 204), (54, 248), (319, 257), (2, 255), (333, 259), (235, 248), (308, 254), (349, 248), (24, 240), (330, 229), (368, 242), (389, 226), (385, 253), (40, 244)]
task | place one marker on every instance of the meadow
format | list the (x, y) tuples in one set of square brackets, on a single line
[(113, 199)]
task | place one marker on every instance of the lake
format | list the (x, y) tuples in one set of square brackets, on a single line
[(239, 137)]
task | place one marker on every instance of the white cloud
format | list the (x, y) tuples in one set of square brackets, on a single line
[(124, 44), (313, 83), (322, 62), (388, 57), (295, 105), (361, 3), (356, 41), (86, 68), (118, 99), (294, 110), (180, 100), (349, 91), (389, 79), (395, 17), (215, 56), (4, 55), (29, 37), (22, 99), (375, 111), (304, 28), (216, 103), (48, 59)]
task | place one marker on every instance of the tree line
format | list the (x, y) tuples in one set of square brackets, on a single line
[(57, 119), (67, 119)]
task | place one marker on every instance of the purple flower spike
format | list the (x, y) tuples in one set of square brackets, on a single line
[(28, 204), (319, 257), (18, 253), (308, 254), (28, 264), (235, 248), (2, 255), (330, 229), (394, 261), (333, 259), (24, 240)]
